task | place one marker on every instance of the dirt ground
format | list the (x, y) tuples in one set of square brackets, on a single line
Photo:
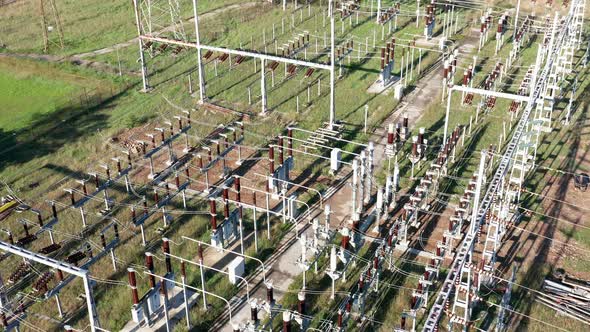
[(563, 208)]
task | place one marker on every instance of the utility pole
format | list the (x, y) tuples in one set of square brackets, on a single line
[(144, 74), (202, 95), (417, 12), (263, 85), (332, 66), (516, 21), (480, 174)]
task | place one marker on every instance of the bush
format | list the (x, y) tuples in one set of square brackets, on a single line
[(135, 121)]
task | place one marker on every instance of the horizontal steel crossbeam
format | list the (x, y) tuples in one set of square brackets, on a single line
[(251, 54)]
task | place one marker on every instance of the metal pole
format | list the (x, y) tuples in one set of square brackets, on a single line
[(516, 21), (263, 86), (417, 12), (94, 323), (482, 163), (58, 304), (354, 186), (267, 216), (199, 61), (186, 306), (144, 72), (332, 66), (369, 173), (255, 229), (202, 272), (164, 291), (366, 117), (241, 237), (447, 117)]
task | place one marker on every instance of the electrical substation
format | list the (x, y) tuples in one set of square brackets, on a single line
[(268, 203)]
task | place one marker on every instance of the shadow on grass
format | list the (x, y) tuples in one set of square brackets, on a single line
[(537, 241), (47, 133)]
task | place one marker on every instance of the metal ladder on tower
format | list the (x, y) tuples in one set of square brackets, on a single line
[(462, 304), (492, 241), (546, 101), (521, 159), (568, 52), (578, 24), (502, 210)]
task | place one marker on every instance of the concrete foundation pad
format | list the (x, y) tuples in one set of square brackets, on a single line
[(419, 253), (378, 86)]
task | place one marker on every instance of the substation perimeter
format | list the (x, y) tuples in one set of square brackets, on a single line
[(373, 233)]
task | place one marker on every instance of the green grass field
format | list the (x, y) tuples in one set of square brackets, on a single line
[(26, 95), (88, 25)]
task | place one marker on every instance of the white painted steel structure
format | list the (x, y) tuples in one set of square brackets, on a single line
[(468, 242), (78, 272), (150, 37)]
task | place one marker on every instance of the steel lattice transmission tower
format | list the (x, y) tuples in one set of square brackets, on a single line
[(50, 19), (162, 18)]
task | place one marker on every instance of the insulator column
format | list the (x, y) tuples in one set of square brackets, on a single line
[(226, 203), (254, 312), (281, 155), (133, 285), (149, 264), (271, 159), (301, 303), (166, 250), (213, 211), (390, 134), (345, 238), (286, 321), (269, 294)]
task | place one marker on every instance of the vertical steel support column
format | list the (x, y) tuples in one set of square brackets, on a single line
[(58, 305), (480, 174), (144, 73), (354, 187), (254, 220), (263, 86), (447, 117), (184, 295), (369, 171), (202, 95), (363, 161), (93, 315), (202, 273), (164, 293), (516, 21), (332, 67)]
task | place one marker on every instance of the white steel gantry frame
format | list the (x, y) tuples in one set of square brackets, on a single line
[(482, 92), (467, 244), (148, 36), (73, 270)]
